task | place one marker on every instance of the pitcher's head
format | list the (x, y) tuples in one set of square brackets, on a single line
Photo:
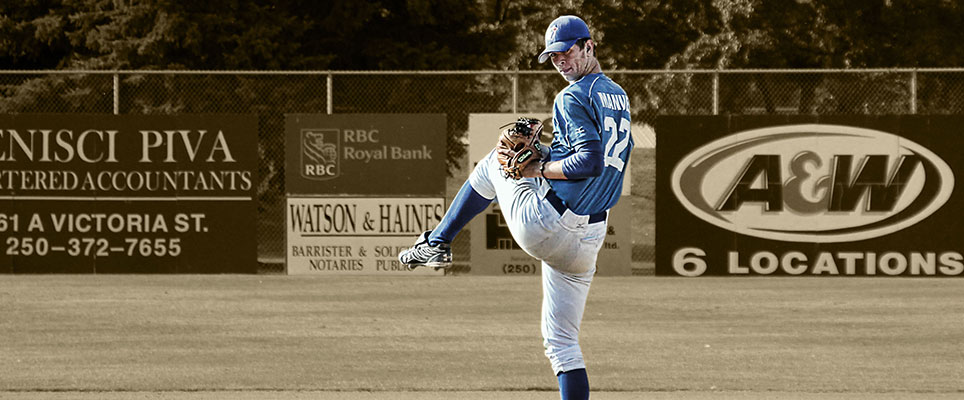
[(570, 47)]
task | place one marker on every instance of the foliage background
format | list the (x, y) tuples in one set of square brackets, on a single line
[(445, 35), (471, 35)]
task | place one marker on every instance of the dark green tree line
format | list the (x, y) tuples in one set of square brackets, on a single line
[(439, 35)]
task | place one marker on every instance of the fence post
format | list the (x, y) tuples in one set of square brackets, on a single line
[(328, 95), (116, 94), (515, 92), (913, 91), (716, 93)]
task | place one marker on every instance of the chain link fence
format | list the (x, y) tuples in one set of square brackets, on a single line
[(272, 94)]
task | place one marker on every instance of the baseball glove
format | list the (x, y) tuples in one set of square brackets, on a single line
[(518, 146)]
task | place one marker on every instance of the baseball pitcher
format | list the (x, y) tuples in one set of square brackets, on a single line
[(555, 200)]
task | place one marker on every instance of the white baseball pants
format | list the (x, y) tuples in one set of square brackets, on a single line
[(566, 244)]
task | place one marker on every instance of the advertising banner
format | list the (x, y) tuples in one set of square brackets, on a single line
[(356, 236), (361, 188), (128, 193), (809, 196), (365, 154)]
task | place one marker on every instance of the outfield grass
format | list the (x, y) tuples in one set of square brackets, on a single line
[(746, 337)]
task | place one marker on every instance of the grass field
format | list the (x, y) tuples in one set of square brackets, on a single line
[(454, 337)]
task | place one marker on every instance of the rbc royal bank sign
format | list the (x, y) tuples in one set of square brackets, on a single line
[(361, 188), (365, 154), (809, 196)]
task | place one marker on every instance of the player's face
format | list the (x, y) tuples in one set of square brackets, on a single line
[(574, 63)]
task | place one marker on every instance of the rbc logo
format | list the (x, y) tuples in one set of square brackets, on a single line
[(319, 153)]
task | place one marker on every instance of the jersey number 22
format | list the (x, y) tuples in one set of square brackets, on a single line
[(614, 148)]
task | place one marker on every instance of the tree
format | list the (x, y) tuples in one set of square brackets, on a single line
[(458, 34), (259, 35), (824, 34), (32, 33)]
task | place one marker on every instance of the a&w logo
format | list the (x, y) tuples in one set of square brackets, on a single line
[(319, 153), (812, 183)]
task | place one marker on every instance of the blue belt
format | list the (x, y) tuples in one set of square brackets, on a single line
[(561, 208)]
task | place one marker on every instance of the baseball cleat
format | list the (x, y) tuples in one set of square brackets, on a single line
[(423, 254)]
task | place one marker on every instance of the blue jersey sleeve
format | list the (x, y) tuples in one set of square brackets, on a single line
[(586, 162), (581, 127)]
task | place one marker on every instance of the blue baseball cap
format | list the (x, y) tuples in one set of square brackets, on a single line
[(564, 32)]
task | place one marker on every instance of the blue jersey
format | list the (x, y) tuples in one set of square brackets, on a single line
[(593, 108)]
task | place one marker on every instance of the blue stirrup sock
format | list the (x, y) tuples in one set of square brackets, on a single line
[(574, 385), (467, 204)]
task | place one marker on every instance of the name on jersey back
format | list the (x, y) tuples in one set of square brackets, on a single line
[(618, 102)]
